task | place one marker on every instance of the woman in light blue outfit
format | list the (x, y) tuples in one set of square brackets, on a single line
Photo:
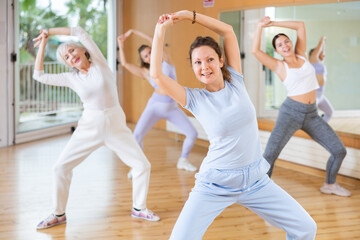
[(160, 106), (316, 58), (234, 170)]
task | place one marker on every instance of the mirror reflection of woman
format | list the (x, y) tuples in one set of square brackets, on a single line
[(234, 170), (317, 58), (160, 105), (299, 110), (102, 122)]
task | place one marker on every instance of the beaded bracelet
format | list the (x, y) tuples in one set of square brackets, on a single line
[(194, 17)]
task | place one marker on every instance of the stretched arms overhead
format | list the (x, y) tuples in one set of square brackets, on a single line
[(134, 69), (317, 51), (171, 87), (140, 34), (52, 79), (231, 47), (270, 62), (166, 55), (84, 38), (40, 41), (300, 47)]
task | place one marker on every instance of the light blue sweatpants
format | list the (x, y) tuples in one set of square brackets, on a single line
[(163, 107), (249, 186)]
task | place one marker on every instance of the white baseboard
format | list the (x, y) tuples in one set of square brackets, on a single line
[(309, 153), (346, 114), (44, 133)]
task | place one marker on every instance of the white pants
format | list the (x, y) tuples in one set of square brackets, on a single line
[(97, 128)]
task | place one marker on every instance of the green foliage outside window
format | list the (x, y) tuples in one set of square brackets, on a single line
[(89, 14)]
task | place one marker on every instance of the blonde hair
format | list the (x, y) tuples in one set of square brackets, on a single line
[(61, 50)]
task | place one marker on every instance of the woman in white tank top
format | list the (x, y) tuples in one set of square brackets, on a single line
[(299, 109)]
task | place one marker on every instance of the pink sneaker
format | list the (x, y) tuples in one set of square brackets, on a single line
[(145, 214), (51, 221), (335, 189)]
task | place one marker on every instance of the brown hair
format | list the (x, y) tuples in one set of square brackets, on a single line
[(210, 42), (311, 51), (276, 37), (142, 63)]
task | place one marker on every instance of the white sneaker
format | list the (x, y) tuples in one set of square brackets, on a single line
[(335, 189), (129, 175), (51, 221), (183, 163), (145, 214)]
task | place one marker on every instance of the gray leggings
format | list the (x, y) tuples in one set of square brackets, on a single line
[(294, 115)]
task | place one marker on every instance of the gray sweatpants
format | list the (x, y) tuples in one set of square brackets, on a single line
[(294, 115)]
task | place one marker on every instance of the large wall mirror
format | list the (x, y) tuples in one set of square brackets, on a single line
[(339, 22)]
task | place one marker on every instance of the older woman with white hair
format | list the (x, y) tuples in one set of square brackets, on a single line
[(102, 123)]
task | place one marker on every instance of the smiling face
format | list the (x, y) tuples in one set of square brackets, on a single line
[(284, 46), (207, 65), (75, 57), (145, 55)]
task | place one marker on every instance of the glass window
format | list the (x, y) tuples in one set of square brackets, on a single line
[(40, 106)]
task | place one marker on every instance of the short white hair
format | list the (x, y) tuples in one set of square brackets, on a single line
[(62, 49)]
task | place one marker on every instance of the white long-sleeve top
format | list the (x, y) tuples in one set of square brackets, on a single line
[(97, 88)]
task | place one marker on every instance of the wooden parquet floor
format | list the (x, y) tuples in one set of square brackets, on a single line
[(100, 196)]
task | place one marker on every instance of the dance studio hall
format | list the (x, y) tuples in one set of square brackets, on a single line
[(180, 120)]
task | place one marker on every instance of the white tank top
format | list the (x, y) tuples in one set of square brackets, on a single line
[(300, 80)]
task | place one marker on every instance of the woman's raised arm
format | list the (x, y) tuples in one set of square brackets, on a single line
[(59, 79), (272, 63), (231, 46), (171, 87), (166, 55), (314, 58), (136, 70), (40, 41), (300, 47)]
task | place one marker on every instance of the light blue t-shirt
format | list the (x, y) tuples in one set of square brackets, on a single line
[(229, 119)]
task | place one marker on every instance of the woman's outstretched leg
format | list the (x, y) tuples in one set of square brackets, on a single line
[(325, 106), (287, 123), (181, 121), (146, 121), (322, 133), (87, 137), (276, 206), (120, 140)]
